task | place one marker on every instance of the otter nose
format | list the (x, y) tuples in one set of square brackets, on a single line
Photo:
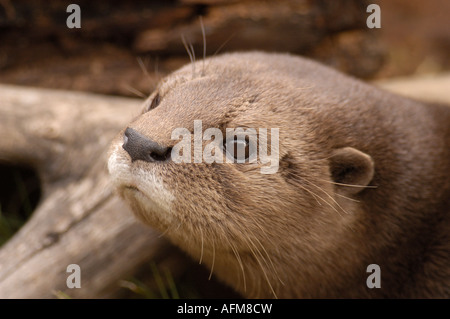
[(140, 147)]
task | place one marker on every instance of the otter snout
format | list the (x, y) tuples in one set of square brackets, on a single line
[(140, 147)]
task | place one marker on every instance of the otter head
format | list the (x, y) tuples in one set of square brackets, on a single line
[(258, 222)]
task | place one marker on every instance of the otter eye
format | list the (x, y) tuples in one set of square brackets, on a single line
[(155, 102), (237, 148)]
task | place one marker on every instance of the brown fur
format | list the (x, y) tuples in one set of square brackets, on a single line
[(300, 233)]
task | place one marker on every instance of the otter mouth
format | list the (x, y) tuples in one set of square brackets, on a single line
[(130, 191), (131, 187)]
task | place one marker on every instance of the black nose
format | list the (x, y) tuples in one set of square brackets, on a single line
[(142, 148)]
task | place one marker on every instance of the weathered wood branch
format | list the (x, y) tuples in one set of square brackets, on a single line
[(65, 136)]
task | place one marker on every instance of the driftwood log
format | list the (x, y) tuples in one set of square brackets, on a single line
[(64, 136)]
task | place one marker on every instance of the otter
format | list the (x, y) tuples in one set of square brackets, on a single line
[(363, 178)]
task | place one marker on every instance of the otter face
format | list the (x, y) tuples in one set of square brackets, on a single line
[(237, 219)]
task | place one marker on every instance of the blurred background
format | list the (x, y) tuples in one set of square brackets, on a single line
[(124, 47), (37, 49)]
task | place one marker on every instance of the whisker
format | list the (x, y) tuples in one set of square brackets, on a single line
[(168, 228), (262, 231), (238, 258), (213, 259), (313, 194), (326, 202), (191, 56), (135, 91), (331, 197), (270, 259), (201, 252), (352, 185), (192, 51), (143, 67), (342, 184), (221, 47), (158, 75), (204, 45), (225, 43), (193, 64), (334, 202), (260, 264), (348, 198)]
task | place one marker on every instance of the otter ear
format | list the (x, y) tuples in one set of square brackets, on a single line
[(351, 170)]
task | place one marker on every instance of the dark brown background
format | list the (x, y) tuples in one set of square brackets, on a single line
[(37, 49)]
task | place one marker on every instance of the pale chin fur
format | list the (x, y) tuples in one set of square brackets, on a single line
[(146, 186)]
